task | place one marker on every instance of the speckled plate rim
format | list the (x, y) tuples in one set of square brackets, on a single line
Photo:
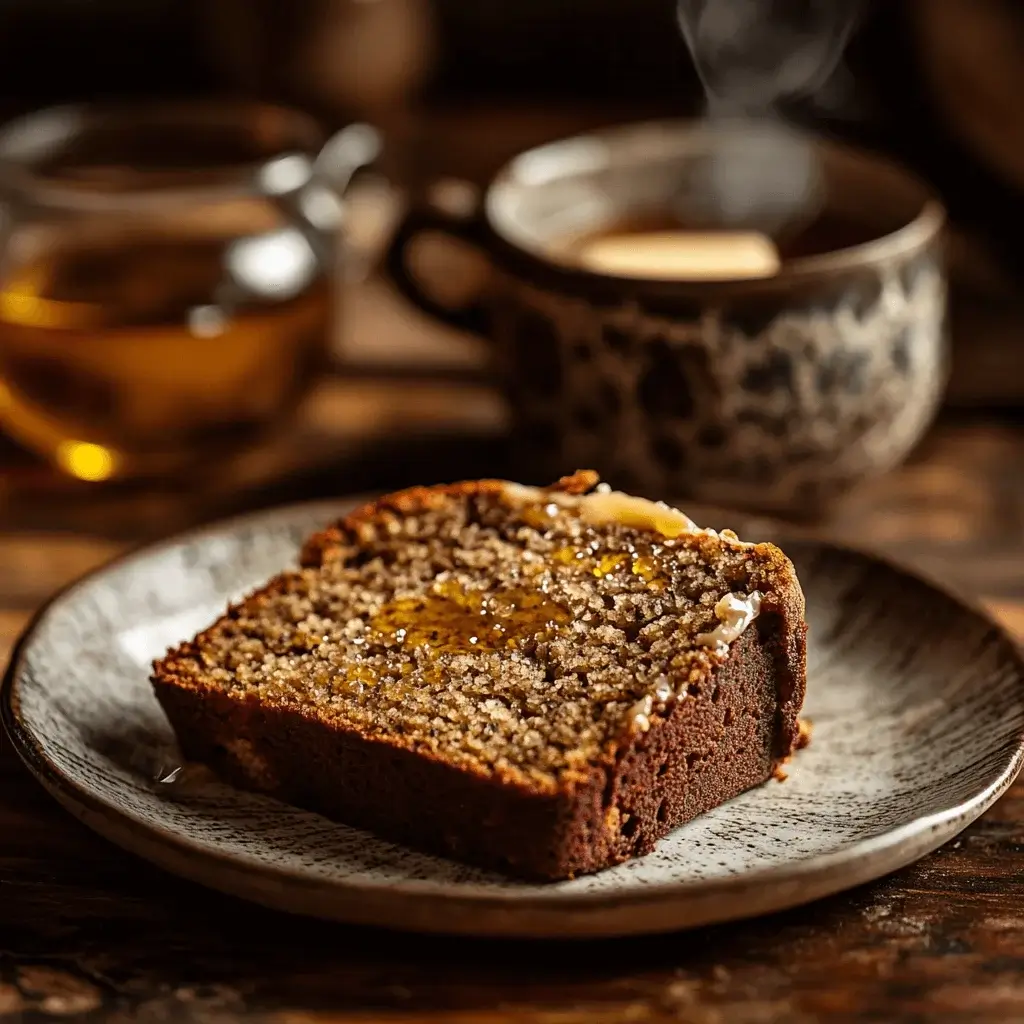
[(431, 907)]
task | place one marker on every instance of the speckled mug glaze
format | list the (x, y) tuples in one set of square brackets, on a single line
[(778, 393)]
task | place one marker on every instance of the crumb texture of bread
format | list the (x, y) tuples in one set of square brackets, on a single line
[(522, 679)]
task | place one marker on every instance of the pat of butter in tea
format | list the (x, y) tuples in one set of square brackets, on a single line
[(682, 255)]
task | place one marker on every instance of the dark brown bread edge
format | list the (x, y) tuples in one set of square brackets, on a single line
[(720, 740), (733, 731)]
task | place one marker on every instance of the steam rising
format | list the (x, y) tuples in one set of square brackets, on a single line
[(752, 55), (754, 176)]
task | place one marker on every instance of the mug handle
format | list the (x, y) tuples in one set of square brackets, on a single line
[(466, 226)]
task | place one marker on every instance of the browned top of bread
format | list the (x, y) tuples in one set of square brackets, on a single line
[(510, 631)]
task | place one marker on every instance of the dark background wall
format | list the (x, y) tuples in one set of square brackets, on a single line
[(56, 49), (523, 50)]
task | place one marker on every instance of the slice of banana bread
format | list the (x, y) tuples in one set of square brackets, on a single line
[(539, 681)]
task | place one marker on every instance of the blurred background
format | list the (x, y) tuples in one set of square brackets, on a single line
[(457, 88), (935, 82)]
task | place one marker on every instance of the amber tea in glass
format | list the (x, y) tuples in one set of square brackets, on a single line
[(166, 293)]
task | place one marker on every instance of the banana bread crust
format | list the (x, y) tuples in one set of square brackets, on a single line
[(735, 728)]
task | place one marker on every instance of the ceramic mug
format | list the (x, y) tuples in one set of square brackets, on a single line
[(777, 393)]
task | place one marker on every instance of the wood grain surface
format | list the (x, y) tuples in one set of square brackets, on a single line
[(87, 929)]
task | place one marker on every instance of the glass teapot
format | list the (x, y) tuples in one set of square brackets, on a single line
[(168, 278)]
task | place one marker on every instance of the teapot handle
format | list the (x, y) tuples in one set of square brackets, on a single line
[(310, 193), (346, 152)]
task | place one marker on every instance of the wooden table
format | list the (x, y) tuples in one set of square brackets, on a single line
[(89, 931), (85, 928)]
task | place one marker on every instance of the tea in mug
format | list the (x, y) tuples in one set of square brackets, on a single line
[(663, 248), (681, 255)]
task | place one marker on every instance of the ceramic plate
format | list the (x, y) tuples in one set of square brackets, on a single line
[(917, 703)]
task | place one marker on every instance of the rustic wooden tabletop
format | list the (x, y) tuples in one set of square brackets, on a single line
[(89, 932)]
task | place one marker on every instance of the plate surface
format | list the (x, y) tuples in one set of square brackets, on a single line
[(917, 703)]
